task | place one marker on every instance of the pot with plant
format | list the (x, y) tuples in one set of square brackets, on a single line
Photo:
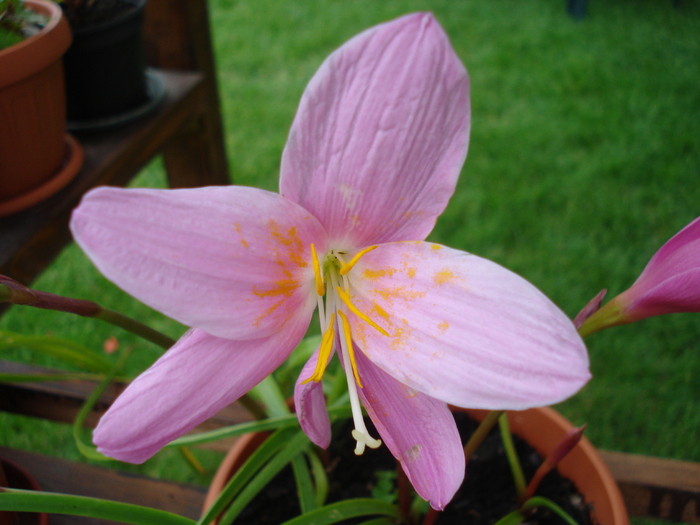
[(106, 79), (37, 158), (372, 158)]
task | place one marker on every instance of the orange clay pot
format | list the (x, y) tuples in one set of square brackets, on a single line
[(33, 106), (542, 428), (18, 478)]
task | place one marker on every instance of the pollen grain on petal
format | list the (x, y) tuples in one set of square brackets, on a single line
[(443, 326), (283, 287), (269, 312), (444, 276), (378, 274), (286, 245), (237, 227)]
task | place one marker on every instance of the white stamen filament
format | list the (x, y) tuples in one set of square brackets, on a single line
[(360, 433)]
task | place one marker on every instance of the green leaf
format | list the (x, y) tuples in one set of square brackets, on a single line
[(513, 518), (540, 501), (63, 349), (269, 393), (254, 463), (275, 423), (85, 446), (343, 510), (380, 521), (305, 487), (52, 503), (512, 456), (320, 477), (294, 446)]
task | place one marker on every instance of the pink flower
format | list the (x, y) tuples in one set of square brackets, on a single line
[(670, 283), (372, 158)]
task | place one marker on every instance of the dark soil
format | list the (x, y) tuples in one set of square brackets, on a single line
[(487, 494)]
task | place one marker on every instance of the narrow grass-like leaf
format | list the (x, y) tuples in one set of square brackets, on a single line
[(65, 350), (380, 521), (86, 447), (540, 501), (320, 477), (294, 446), (343, 510), (512, 456), (254, 463), (35, 501), (41, 377), (269, 393), (275, 423), (513, 518), (305, 487)]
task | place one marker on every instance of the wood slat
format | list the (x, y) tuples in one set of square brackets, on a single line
[(58, 475), (657, 488)]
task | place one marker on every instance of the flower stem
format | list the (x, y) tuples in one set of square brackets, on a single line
[(13, 292), (135, 327), (512, 455), (481, 432)]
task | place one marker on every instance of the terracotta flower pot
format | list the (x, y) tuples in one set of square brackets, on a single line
[(33, 107), (18, 478), (542, 428)]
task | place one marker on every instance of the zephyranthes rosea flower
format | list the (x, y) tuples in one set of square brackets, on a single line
[(372, 158), (670, 283)]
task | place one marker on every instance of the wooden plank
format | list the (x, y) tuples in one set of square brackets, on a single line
[(58, 475), (61, 400), (657, 488)]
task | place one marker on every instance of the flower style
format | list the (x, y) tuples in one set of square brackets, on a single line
[(670, 283), (372, 158)]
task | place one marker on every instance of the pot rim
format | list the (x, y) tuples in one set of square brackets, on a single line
[(38, 51)]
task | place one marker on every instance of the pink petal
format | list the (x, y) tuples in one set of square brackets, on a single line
[(193, 380), (233, 261), (463, 329), (381, 134), (671, 281), (310, 405), (418, 430)]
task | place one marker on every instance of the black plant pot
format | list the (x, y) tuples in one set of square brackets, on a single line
[(105, 67)]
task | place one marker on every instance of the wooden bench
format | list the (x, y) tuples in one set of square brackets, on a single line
[(652, 487), (186, 131)]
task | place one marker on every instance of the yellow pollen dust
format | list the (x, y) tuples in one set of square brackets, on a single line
[(351, 350), (320, 288), (347, 267), (346, 299), (324, 353)]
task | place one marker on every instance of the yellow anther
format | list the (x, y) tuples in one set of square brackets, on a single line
[(320, 289), (346, 299), (324, 353), (347, 267), (351, 350)]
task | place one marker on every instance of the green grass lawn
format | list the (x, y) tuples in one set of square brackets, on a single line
[(584, 159)]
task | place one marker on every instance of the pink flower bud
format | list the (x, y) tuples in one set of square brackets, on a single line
[(670, 283)]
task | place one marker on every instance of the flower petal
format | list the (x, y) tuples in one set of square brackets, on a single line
[(418, 430), (670, 282), (233, 261), (310, 405), (381, 134), (192, 381), (463, 329)]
